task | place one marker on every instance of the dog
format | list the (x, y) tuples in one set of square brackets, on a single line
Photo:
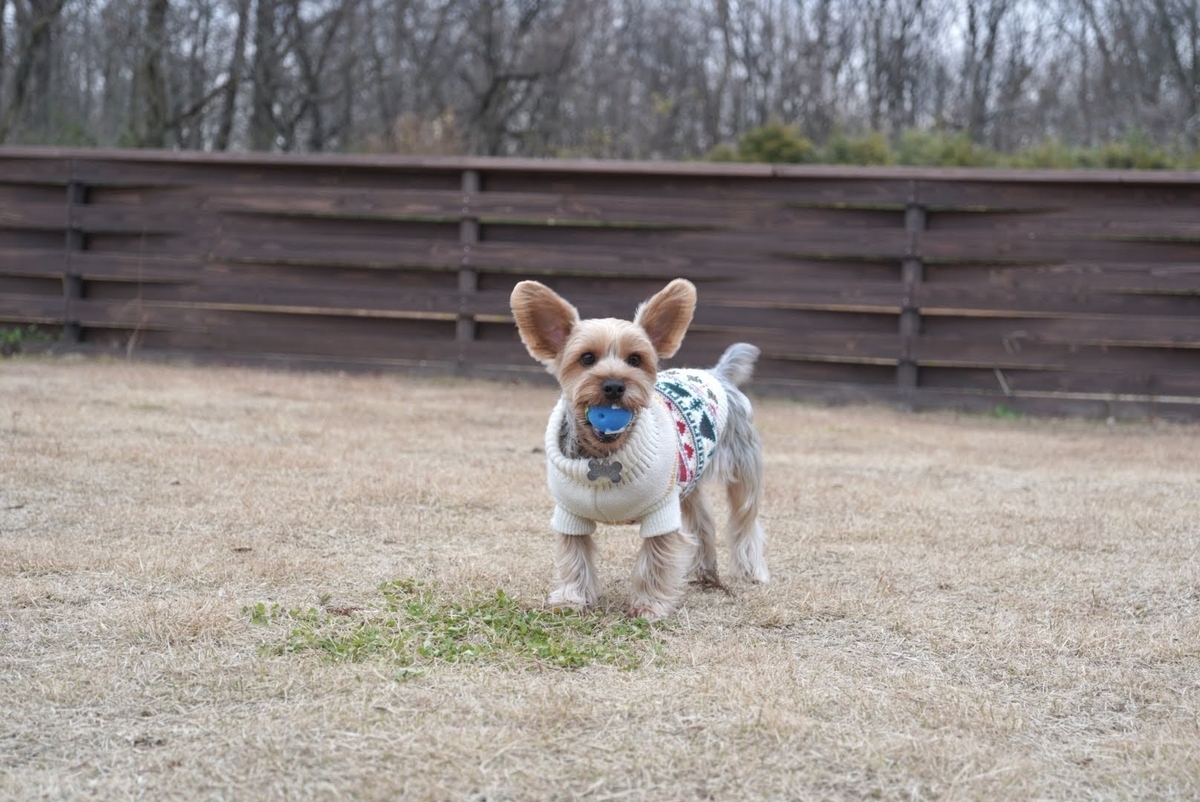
[(628, 443)]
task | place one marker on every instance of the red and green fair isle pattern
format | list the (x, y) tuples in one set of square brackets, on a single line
[(697, 404)]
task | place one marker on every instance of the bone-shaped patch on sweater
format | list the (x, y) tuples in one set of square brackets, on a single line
[(598, 469)]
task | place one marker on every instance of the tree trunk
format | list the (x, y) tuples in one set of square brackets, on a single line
[(237, 63), (262, 116), (153, 77), (33, 68)]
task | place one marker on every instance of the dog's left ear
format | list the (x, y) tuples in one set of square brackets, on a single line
[(666, 316), (544, 319)]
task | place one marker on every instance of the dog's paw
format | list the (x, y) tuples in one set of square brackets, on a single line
[(567, 598), (650, 609), (758, 574)]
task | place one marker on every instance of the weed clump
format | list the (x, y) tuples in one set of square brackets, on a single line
[(415, 626)]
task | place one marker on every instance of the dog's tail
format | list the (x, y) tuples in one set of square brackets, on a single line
[(736, 365)]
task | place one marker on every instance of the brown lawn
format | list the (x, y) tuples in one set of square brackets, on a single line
[(962, 607)]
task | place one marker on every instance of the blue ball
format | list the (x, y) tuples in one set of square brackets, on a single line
[(609, 420)]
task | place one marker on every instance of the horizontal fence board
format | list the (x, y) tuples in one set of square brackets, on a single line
[(1004, 302), (1079, 190), (136, 220), (1027, 289), (1119, 223), (687, 254), (550, 209), (16, 308), (808, 191), (1163, 278), (183, 174), (1021, 354), (32, 262), (34, 215), (1006, 246), (1179, 332), (34, 172), (1012, 381), (730, 307)]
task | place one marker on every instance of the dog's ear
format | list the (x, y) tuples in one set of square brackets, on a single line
[(666, 316), (544, 319)]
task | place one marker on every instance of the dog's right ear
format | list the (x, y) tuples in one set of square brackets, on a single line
[(544, 319)]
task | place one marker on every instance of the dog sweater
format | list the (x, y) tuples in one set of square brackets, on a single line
[(667, 453)]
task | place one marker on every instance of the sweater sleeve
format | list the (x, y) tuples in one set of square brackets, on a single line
[(568, 523), (664, 517)]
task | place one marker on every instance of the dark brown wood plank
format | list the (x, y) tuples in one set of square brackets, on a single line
[(1022, 354), (1124, 220), (46, 309), (92, 219), (34, 215), (1058, 190), (1124, 224), (213, 176), (731, 306), (32, 262), (551, 209), (150, 312), (1011, 381), (1104, 330), (1163, 278), (17, 168), (1043, 247), (1008, 302), (803, 346)]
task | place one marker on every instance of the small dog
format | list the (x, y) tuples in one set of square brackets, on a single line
[(627, 443)]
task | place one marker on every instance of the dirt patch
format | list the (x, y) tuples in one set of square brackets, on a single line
[(961, 607)]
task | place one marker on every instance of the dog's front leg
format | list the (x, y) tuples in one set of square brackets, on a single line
[(658, 576), (576, 562)]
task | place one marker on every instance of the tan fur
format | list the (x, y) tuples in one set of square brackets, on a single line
[(588, 356)]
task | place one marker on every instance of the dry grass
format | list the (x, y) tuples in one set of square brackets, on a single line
[(962, 607)]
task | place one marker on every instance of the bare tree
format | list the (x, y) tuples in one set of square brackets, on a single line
[(32, 90), (153, 79), (1177, 27), (983, 33), (237, 64), (607, 78)]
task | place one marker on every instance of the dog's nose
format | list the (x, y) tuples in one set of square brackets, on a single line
[(613, 389)]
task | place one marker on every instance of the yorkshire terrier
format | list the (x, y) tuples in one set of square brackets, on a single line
[(628, 443)]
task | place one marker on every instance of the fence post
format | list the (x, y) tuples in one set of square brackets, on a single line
[(75, 242), (468, 278), (912, 270)]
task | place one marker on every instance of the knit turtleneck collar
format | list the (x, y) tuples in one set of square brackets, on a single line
[(637, 482), (641, 446)]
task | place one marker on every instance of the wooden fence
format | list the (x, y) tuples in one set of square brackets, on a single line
[(1060, 292)]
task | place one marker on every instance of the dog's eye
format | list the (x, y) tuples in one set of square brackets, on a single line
[(588, 359), (633, 361)]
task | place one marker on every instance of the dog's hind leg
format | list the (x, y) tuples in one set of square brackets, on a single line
[(576, 563), (747, 540), (742, 472), (698, 520)]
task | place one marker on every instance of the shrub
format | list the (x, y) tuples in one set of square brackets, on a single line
[(723, 153), (867, 149), (1135, 152), (939, 149), (778, 144)]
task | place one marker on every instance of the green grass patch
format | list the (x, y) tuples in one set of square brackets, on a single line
[(13, 337), (415, 626)]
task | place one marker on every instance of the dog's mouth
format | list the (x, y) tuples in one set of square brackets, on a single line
[(608, 423)]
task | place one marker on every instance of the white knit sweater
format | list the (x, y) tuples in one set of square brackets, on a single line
[(663, 460), (647, 490)]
